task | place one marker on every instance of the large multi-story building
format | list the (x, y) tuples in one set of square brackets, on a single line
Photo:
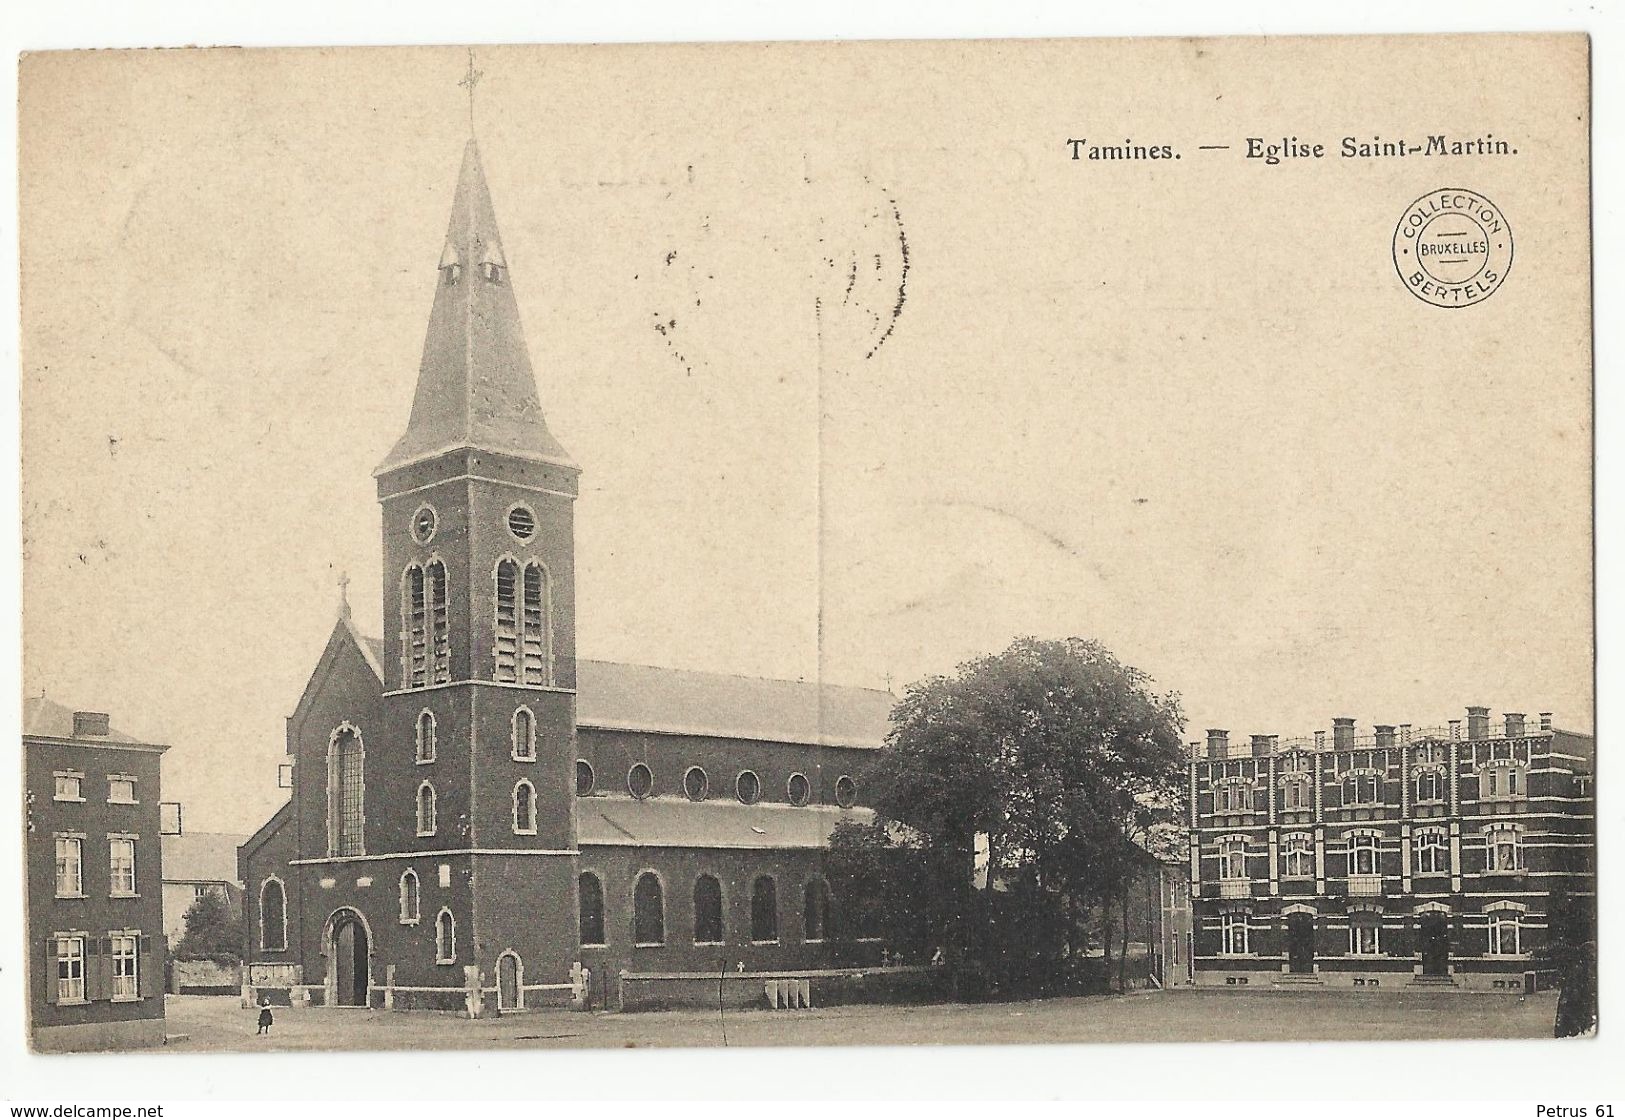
[(475, 812), (1441, 857), (95, 910)]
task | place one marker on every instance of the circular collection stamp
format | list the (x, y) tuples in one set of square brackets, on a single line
[(1453, 247)]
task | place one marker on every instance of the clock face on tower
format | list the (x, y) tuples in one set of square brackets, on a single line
[(424, 522)]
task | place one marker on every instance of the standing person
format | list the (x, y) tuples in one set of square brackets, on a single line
[(265, 1017)]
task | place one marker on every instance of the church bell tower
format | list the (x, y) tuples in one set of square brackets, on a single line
[(479, 616)]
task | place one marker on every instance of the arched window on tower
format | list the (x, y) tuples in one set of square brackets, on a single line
[(506, 649), (344, 792), (591, 898), (445, 938), (411, 897), (414, 629), (426, 736), (537, 640), (707, 911), (273, 916), (426, 810), (524, 808), (648, 911), (524, 735), (439, 623)]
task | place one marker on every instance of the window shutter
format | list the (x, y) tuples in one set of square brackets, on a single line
[(97, 985), (50, 970), (144, 967)]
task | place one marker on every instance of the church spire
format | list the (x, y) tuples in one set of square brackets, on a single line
[(475, 383)]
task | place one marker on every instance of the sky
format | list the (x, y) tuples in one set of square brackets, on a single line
[(1186, 408)]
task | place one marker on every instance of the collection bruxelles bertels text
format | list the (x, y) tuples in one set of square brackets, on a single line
[(1276, 150)]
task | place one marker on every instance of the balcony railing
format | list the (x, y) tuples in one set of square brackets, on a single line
[(1365, 886), (1235, 888)]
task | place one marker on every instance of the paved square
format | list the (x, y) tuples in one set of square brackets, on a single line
[(218, 1023)]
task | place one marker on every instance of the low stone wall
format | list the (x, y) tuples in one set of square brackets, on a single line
[(204, 978), (745, 990)]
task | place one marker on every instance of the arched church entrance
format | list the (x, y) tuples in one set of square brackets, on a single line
[(349, 955)]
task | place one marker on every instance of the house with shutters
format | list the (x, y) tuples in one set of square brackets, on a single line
[(94, 870), (478, 818)]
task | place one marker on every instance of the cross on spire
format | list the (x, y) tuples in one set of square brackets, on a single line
[(344, 593), (471, 78)]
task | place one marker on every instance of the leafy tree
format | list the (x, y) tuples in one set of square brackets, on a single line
[(213, 932), (1057, 758)]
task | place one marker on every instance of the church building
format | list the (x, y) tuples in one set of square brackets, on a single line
[(476, 815)]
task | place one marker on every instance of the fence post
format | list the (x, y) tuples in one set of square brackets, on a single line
[(389, 987), (473, 997)]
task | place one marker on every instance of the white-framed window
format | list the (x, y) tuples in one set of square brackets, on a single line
[(426, 736), (707, 910), (798, 789), (1365, 935), (846, 791), (69, 786), (696, 784), (120, 789), (814, 911), (1233, 858), (590, 897), (1233, 940), (273, 915), (426, 810), (585, 778), (1233, 796), (411, 898), (523, 734), (640, 781), (1362, 854), (445, 937), (764, 910), (1295, 792), (125, 949), (121, 866), (1430, 852), (1502, 850), (1361, 788), (70, 968), (70, 867), (748, 787), (1430, 786), (1299, 851), (1506, 933), (1503, 779), (524, 808)]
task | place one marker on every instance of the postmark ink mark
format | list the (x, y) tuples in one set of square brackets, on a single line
[(1452, 247)]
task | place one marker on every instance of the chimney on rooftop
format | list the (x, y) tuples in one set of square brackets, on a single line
[(1514, 725), (1478, 723), (1218, 743), (1545, 721), (1343, 732), (88, 724), (1385, 734), (1455, 730), (1261, 745), (1404, 734), (1320, 740)]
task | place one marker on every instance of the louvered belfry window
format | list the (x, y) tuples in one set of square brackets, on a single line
[(507, 636), (535, 642), (440, 623), (523, 645), (414, 627)]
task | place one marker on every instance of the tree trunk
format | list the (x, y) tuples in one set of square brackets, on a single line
[(1122, 961), (1106, 939)]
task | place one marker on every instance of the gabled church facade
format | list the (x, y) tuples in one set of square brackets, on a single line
[(477, 815)]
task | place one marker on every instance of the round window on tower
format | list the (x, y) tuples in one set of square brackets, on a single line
[(522, 522), (424, 523), (800, 789), (640, 781)]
